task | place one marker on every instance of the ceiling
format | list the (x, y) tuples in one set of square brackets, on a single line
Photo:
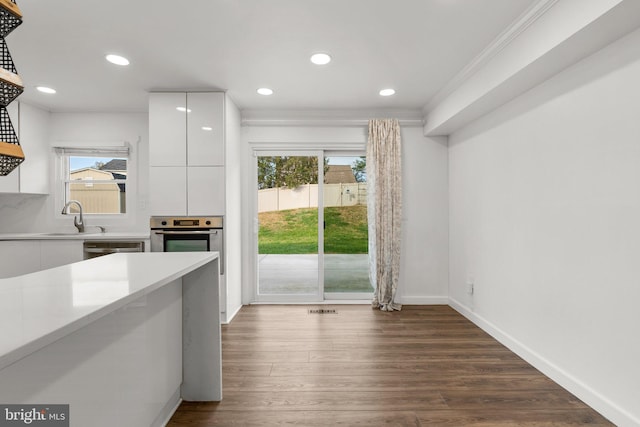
[(413, 46)]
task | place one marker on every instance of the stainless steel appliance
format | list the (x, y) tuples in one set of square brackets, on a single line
[(188, 234), (96, 248)]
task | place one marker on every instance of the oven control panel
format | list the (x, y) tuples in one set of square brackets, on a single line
[(166, 222)]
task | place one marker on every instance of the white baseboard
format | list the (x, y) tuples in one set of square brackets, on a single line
[(597, 401), (422, 300), (228, 318), (325, 302), (169, 409)]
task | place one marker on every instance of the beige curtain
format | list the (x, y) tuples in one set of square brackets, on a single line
[(384, 210)]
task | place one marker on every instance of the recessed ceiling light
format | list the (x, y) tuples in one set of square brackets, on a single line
[(265, 91), (45, 89), (387, 92), (117, 59), (183, 109), (320, 58), (207, 128)]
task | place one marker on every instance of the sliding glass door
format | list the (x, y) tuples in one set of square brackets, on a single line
[(288, 226), (346, 259), (311, 226)]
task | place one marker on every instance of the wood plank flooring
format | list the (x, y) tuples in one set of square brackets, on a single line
[(422, 366)]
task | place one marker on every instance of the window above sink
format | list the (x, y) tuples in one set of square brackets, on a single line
[(98, 180), (100, 177)]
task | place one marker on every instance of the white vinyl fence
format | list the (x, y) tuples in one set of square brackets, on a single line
[(306, 196)]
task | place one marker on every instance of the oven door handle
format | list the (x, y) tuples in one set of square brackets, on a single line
[(187, 232)]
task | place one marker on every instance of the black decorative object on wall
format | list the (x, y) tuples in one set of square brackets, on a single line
[(10, 81), (11, 154), (10, 17)]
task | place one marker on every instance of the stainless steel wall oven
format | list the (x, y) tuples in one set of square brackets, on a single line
[(188, 234)]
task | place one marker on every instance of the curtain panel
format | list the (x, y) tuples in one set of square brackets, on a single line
[(384, 210)]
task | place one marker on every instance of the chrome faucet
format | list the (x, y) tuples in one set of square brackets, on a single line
[(79, 224)]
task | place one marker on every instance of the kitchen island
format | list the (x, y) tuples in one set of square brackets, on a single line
[(120, 338)]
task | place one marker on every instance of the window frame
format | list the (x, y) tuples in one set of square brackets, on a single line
[(62, 181)]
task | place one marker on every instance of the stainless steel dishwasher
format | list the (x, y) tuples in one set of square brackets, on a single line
[(96, 248)]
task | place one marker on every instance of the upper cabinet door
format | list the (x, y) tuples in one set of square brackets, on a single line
[(168, 129), (205, 129)]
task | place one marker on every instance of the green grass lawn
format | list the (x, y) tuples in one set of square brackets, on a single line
[(296, 231)]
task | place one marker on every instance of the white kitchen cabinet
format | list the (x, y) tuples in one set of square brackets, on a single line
[(32, 176), (168, 190), (186, 129), (168, 129), (197, 190), (54, 253), (18, 257), (212, 166), (205, 193), (187, 154), (205, 129)]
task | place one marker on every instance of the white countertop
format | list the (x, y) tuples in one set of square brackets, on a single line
[(73, 236), (39, 308)]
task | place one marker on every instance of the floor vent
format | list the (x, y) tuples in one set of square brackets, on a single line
[(323, 311)]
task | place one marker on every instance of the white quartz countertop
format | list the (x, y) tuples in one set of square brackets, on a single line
[(73, 236), (39, 308)]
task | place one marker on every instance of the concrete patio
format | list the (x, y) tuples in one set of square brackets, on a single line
[(298, 274)]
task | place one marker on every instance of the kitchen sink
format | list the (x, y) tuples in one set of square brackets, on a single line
[(70, 233)]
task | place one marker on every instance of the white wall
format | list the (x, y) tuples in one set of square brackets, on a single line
[(34, 134), (233, 203), (424, 272), (545, 218), (29, 213), (24, 211), (109, 127)]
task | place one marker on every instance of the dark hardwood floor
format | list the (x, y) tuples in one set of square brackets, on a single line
[(422, 366)]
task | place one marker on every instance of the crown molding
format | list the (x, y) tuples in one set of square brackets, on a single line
[(328, 118), (504, 39)]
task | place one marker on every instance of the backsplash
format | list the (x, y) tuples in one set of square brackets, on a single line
[(22, 213)]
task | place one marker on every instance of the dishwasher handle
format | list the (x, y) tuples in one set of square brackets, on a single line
[(111, 250)]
